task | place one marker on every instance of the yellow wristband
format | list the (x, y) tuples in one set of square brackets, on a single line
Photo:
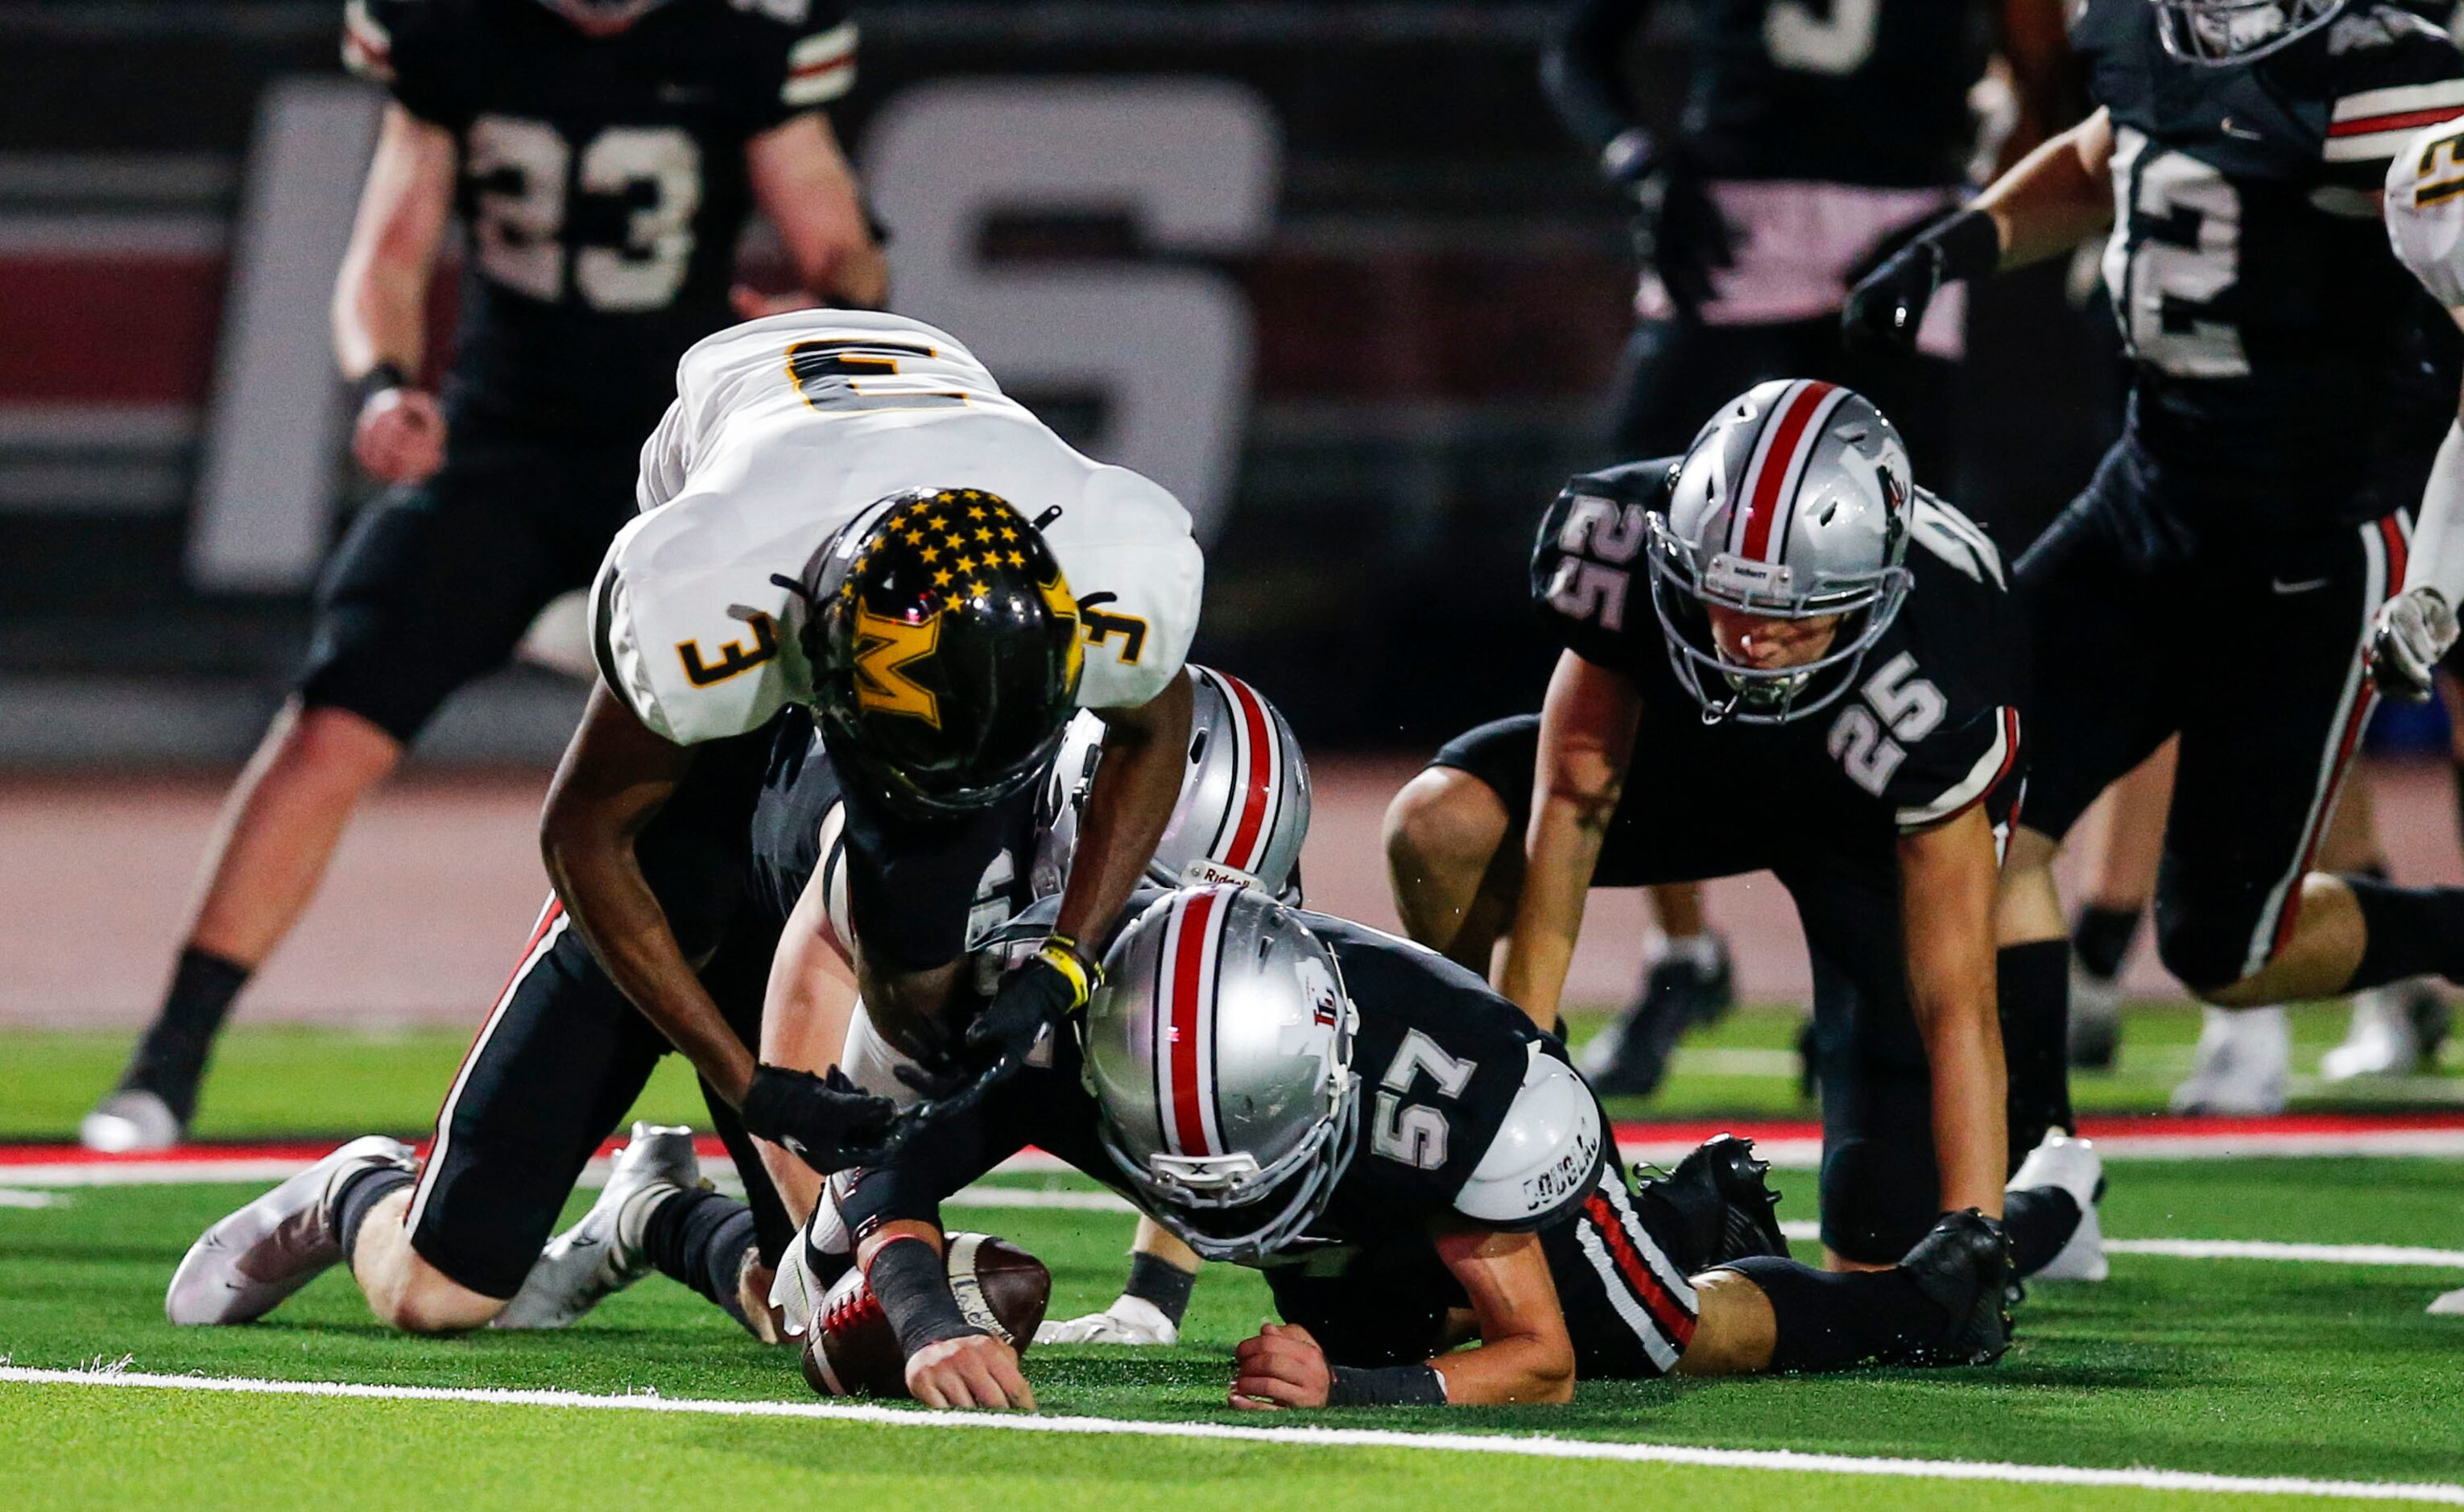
[(1061, 952)]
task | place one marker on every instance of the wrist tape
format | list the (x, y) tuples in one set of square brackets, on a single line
[(912, 1285), (1062, 953), (1393, 1386)]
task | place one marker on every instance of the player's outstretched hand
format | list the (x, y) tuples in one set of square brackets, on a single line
[(1282, 1367), (974, 1370), (828, 1122), (2414, 630), (1679, 232), (400, 437), (1888, 304)]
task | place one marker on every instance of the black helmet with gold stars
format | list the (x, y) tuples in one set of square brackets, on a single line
[(945, 648)]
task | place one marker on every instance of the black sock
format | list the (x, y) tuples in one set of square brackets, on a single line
[(359, 1192), (2413, 931), (1829, 1321), (170, 1060), (2032, 982), (1160, 1283), (701, 1239), (2101, 936), (2039, 1222)]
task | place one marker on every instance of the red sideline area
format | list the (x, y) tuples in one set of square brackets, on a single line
[(2437, 1133)]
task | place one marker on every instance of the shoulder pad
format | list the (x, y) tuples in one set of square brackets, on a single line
[(1546, 1154), (1141, 580), (2425, 210)]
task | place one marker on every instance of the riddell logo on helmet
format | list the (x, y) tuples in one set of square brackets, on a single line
[(1203, 872)]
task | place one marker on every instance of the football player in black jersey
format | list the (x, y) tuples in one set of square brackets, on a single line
[(2291, 384), (1812, 139), (603, 156), (1779, 654), (1411, 1163)]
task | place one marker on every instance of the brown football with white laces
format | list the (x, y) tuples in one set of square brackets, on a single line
[(850, 1349)]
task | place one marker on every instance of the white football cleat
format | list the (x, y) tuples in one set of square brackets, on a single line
[(1130, 1320), (127, 1121), (2245, 1058), (2395, 1029), (2073, 1164), (601, 1254), (2450, 1304), (239, 1269)]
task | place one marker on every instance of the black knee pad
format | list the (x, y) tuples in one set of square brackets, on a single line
[(2204, 947), (1879, 1197)]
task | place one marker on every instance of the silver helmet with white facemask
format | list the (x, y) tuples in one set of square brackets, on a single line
[(2217, 32), (1220, 1054), (1794, 503), (1245, 796)]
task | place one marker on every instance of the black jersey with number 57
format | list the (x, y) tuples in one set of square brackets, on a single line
[(2281, 352), (602, 181), (1930, 727)]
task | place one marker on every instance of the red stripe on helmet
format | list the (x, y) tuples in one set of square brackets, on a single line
[(1187, 1020), (1764, 504), (1257, 778)]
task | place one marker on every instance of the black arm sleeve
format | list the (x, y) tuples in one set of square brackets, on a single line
[(1583, 69)]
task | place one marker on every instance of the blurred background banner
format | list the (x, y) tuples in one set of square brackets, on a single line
[(1330, 270)]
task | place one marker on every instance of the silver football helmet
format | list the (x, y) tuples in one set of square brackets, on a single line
[(1220, 1052), (1792, 503), (1244, 798), (2215, 32)]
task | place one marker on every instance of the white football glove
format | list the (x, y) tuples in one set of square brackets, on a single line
[(1131, 1320), (2414, 630), (796, 1291)]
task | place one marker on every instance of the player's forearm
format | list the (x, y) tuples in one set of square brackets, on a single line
[(806, 186), (611, 903), (1948, 897), (2438, 540), (380, 310), (1563, 850), (1517, 1370), (2056, 197), (1136, 784)]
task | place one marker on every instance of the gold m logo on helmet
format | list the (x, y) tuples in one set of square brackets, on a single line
[(884, 647)]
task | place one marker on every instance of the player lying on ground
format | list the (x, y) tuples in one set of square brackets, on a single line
[(455, 1242), (1411, 1163), (1779, 654), (603, 155)]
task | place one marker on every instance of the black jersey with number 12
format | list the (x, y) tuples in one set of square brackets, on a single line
[(601, 180), (2288, 369)]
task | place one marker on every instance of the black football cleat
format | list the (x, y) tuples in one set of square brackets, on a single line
[(1963, 1265), (1630, 1057), (1721, 1206)]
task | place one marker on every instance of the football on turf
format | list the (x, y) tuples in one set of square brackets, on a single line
[(851, 1348)]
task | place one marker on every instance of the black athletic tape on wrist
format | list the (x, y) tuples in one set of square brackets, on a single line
[(1971, 245), (911, 1283), (379, 379), (1160, 1284), (1393, 1386)]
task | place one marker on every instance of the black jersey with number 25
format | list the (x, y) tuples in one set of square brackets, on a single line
[(601, 180), (2279, 348), (1930, 726)]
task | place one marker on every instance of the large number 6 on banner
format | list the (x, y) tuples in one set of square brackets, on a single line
[(1192, 162)]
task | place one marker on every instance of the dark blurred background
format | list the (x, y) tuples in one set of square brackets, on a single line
[(1437, 281)]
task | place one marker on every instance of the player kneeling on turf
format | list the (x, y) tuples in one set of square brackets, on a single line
[(1412, 1164)]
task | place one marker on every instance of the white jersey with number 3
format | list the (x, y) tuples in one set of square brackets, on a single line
[(2425, 210), (785, 428)]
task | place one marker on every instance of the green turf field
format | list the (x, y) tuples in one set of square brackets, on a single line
[(2232, 1367), (275, 1080)]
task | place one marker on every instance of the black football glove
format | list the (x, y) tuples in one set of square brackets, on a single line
[(1888, 305), (1679, 232), (827, 1122), (1046, 988)]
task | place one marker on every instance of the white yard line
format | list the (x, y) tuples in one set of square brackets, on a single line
[(1520, 1445)]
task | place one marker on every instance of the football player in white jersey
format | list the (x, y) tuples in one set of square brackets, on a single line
[(842, 509), (2416, 628)]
